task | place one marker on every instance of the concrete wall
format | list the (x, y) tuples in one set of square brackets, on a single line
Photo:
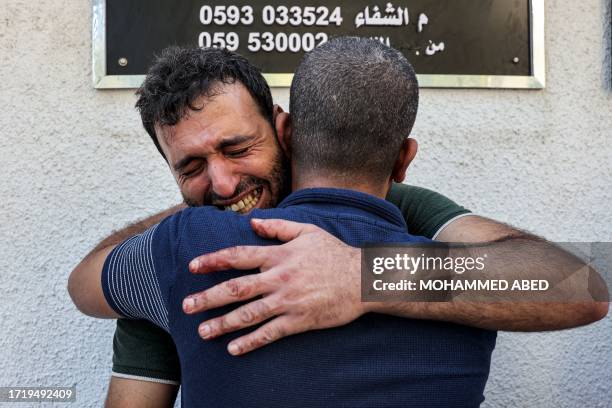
[(76, 164)]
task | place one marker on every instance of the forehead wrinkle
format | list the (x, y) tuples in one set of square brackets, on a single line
[(169, 132), (198, 104), (240, 109)]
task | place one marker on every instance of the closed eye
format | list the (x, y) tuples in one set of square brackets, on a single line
[(190, 173), (237, 153), (193, 168)]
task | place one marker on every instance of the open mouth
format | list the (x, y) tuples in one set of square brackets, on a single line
[(246, 203)]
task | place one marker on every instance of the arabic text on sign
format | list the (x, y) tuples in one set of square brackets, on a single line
[(375, 18)]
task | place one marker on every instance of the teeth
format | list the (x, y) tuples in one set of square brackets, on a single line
[(246, 204)]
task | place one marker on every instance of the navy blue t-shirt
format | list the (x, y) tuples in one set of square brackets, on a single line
[(375, 361)]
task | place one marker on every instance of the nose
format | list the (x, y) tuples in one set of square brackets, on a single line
[(223, 178)]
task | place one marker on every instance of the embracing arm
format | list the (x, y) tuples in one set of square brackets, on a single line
[(303, 292), (512, 254), (137, 227), (84, 283)]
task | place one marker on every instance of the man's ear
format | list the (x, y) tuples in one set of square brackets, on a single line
[(407, 152), (276, 109), (282, 125)]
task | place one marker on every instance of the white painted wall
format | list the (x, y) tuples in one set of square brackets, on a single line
[(76, 164)]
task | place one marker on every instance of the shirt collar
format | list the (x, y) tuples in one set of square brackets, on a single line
[(342, 198)]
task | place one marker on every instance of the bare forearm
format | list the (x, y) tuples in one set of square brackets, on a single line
[(85, 288), (124, 393), (525, 316), (84, 283), (137, 227), (577, 295)]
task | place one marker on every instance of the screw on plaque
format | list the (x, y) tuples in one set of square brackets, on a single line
[(123, 62), (516, 60)]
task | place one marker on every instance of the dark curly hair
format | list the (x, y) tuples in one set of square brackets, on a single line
[(180, 75)]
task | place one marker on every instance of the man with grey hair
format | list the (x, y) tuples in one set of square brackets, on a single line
[(354, 94)]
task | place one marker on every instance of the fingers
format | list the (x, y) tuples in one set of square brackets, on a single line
[(251, 257), (282, 230), (231, 291), (266, 334), (245, 316), (240, 257)]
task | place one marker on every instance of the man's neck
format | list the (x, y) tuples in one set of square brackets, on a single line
[(379, 189)]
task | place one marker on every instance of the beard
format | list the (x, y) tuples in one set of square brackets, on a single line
[(278, 183)]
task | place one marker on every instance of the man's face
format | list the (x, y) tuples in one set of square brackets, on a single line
[(226, 154)]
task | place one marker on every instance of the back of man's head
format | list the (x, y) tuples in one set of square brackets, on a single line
[(180, 76), (353, 103)]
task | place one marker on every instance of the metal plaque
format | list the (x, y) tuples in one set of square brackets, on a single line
[(450, 43)]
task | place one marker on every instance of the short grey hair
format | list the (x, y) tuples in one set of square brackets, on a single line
[(353, 102)]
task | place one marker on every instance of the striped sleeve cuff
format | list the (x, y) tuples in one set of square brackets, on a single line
[(130, 282)]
